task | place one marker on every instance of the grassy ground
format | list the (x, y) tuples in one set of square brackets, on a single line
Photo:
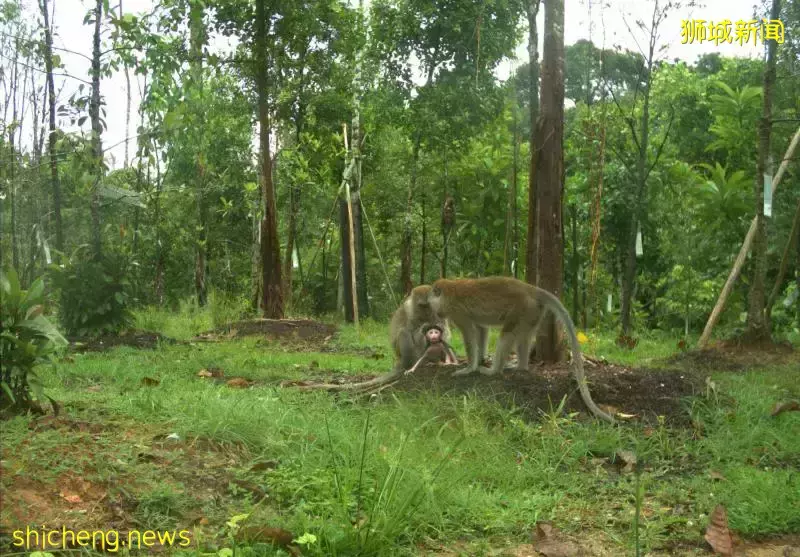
[(396, 474)]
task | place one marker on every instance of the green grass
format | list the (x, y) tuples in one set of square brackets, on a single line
[(381, 476)]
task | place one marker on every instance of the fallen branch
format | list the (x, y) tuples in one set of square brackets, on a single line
[(363, 386)]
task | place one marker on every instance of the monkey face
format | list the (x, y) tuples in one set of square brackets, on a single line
[(433, 335)]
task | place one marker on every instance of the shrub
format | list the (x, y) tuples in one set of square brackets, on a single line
[(26, 339), (93, 295)]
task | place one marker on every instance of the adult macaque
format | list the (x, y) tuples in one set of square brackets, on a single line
[(437, 351), (473, 305), (406, 328)]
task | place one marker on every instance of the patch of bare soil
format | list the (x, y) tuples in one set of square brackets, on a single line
[(737, 356), (135, 339), (279, 329), (642, 393)]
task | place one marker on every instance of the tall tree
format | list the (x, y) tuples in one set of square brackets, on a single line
[(757, 321), (51, 136), (549, 169), (532, 250), (97, 130), (272, 294), (643, 167), (197, 40)]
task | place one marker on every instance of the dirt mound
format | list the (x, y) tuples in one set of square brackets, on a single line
[(736, 356), (135, 339), (289, 329), (643, 393)]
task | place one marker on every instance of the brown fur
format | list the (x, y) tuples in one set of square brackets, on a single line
[(406, 332), (474, 305)]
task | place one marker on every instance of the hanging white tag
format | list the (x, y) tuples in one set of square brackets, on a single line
[(639, 249), (608, 304), (295, 263), (767, 195)]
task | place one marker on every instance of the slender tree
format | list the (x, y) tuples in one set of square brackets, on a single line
[(532, 250), (55, 185), (549, 169), (197, 40), (758, 326), (97, 130), (272, 292)]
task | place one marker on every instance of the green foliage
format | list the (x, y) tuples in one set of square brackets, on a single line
[(26, 339), (93, 295), (686, 296)]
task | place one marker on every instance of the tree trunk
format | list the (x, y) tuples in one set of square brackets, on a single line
[(550, 170), (51, 139), (573, 216), (629, 269), (12, 187), (37, 155), (794, 238), (270, 244), (255, 263), (197, 40), (757, 321), (97, 130), (127, 101), (532, 250), (294, 189), (358, 224), (510, 242), (405, 247), (424, 237), (448, 219), (344, 246), (405, 250)]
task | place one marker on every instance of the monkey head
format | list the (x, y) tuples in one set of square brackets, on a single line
[(418, 306), (433, 334)]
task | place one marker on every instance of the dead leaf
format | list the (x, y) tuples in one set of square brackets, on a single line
[(149, 382), (313, 365), (608, 409), (718, 535), (211, 372), (626, 460), (94, 389), (624, 416), (71, 498), (548, 542), (716, 475), (377, 356), (781, 407), (238, 383)]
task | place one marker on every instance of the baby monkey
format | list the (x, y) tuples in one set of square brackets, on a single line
[(436, 350)]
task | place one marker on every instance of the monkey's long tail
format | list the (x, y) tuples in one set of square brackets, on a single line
[(577, 361)]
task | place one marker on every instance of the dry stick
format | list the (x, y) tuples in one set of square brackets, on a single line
[(351, 235), (790, 244), (378, 251), (377, 382), (737, 266)]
